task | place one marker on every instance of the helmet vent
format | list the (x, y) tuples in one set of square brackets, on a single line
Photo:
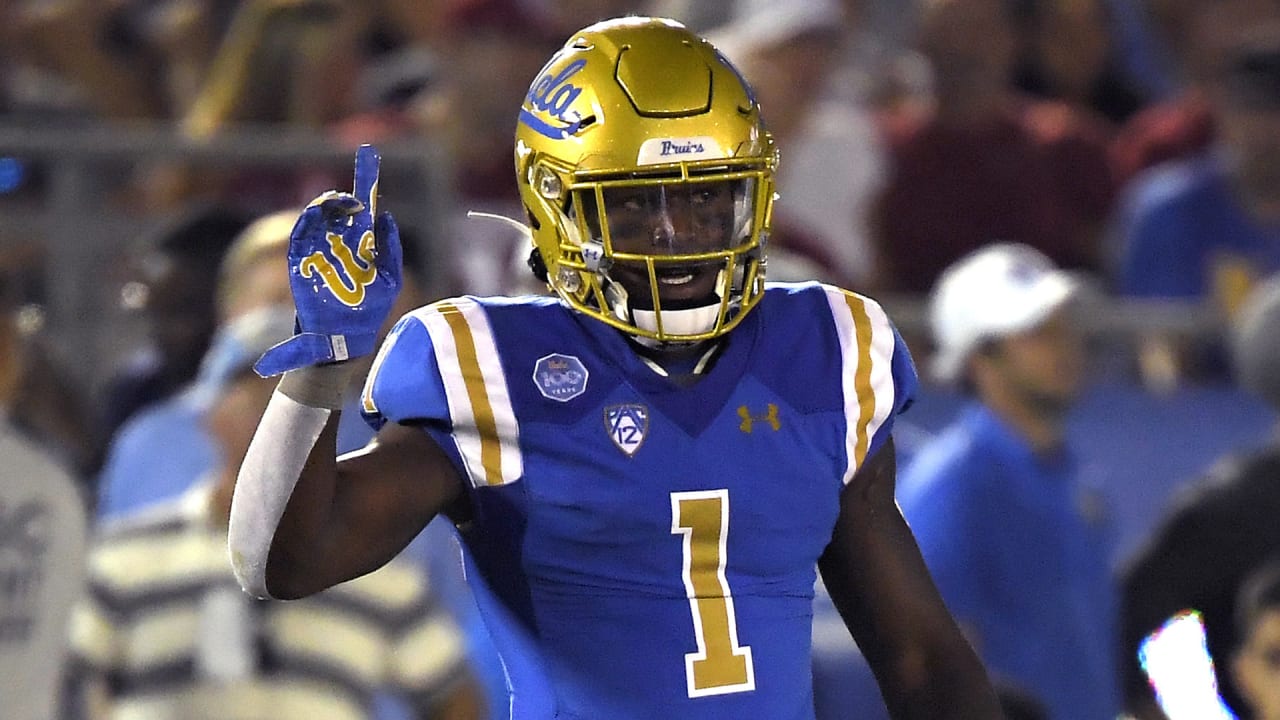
[(638, 65)]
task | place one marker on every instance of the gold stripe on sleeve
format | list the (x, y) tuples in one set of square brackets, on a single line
[(473, 380), (862, 375)]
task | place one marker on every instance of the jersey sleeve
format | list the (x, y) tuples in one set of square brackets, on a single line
[(878, 376), (404, 383), (440, 367)]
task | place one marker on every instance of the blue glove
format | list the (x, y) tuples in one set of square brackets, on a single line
[(344, 271)]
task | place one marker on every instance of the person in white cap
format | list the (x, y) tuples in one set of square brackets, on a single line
[(1015, 541)]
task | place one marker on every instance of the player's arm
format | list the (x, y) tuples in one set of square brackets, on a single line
[(302, 520), (880, 584), (344, 516)]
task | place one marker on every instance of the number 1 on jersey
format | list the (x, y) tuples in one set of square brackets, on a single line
[(720, 665)]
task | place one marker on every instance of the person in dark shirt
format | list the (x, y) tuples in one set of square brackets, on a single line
[(1218, 530)]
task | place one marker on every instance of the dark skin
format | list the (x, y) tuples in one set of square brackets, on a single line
[(245, 397), (350, 517)]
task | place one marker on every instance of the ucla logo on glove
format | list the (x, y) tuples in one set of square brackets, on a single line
[(358, 270), (342, 243)]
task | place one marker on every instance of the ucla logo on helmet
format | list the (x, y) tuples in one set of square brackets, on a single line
[(560, 377), (552, 96), (628, 425)]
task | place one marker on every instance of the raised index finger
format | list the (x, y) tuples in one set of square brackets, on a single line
[(366, 180)]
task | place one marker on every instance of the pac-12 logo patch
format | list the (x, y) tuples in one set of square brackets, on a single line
[(560, 377), (627, 425)]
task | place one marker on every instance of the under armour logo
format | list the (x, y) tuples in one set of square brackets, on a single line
[(749, 420)]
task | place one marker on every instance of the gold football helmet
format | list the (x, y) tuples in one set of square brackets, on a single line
[(647, 177)]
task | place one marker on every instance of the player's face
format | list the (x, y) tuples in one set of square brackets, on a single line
[(663, 221), (1045, 365), (1257, 667)]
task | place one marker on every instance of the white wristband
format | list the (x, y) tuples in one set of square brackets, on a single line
[(284, 438)]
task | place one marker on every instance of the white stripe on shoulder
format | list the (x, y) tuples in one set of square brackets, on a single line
[(367, 403), (866, 345), (484, 422)]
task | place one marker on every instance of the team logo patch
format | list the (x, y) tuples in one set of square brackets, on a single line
[(560, 377), (628, 425)]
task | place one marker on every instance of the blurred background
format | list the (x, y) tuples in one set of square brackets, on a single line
[(1134, 142)]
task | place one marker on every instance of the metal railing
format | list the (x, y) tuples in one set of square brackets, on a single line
[(85, 234)]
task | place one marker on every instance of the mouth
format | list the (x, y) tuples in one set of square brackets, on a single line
[(682, 279), (678, 285), (678, 276)]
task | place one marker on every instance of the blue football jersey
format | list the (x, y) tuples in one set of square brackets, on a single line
[(641, 549)]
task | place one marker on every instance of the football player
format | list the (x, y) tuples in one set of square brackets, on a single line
[(646, 466)]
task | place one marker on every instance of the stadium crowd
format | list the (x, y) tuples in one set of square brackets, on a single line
[(1124, 152)]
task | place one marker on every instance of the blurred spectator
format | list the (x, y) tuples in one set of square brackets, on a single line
[(175, 292), (1171, 130), (165, 631), (883, 60), (1069, 54), (290, 65), (461, 83), (1180, 123), (282, 61), (984, 164), (159, 451), (158, 454), (80, 56), (1208, 227), (1217, 530), (54, 409), (51, 406), (832, 158), (1140, 50), (1015, 539), (79, 62), (42, 538), (1255, 663)]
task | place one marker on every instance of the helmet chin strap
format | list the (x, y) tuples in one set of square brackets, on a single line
[(684, 321), (678, 322)]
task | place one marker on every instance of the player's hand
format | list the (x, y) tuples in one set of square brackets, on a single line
[(344, 271)]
